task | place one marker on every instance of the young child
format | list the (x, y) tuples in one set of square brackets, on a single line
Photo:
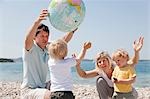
[(124, 73), (60, 69)]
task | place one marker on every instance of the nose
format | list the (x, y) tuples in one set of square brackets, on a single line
[(117, 63), (45, 38), (102, 62)]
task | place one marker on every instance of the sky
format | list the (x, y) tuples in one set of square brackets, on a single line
[(108, 25)]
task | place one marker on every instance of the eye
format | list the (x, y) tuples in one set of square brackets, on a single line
[(104, 60), (99, 62)]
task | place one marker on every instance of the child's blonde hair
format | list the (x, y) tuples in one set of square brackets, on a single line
[(105, 55), (58, 49), (120, 53)]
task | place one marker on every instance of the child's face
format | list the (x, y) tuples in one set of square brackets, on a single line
[(121, 61), (103, 62)]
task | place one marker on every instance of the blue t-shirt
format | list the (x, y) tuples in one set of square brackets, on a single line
[(35, 67)]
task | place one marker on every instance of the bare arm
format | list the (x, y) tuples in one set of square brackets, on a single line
[(82, 53), (125, 81), (69, 35), (137, 46), (32, 31), (86, 74), (82, 73)]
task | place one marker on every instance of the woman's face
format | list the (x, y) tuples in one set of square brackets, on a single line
[(103, 63)]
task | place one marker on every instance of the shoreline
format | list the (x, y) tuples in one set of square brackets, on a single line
[(11, 90)]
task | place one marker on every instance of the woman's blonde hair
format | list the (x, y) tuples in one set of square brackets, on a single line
[(120, 53), (58, 49), (105, 55)]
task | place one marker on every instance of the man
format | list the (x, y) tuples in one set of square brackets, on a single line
[(35, 58)]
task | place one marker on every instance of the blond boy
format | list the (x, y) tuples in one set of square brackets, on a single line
[(60, 69), (124, 73)]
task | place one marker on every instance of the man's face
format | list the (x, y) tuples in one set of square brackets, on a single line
[(42, 39)]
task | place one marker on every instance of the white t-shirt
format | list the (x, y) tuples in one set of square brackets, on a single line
[(109, 81), (60, 74)]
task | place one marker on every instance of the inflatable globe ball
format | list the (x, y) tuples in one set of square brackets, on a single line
[(66, 15)]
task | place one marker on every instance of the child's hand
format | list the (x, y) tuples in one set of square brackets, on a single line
[(87, 45), (137, 45), (74, 55)]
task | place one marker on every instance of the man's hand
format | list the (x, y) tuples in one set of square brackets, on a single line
[(43, 15)]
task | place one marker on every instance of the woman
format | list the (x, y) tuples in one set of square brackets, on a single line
[(103, 69)]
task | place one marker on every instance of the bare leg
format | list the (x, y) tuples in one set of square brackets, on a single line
[(47, 94)]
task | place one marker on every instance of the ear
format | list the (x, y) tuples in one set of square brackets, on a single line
[(35, 37)]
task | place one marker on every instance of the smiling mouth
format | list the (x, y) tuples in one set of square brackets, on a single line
[(44, 42), (102, 66)]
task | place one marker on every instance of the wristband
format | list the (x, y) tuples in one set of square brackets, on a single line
[(73, 32)]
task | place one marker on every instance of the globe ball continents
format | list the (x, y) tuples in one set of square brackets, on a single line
[(66, 15)]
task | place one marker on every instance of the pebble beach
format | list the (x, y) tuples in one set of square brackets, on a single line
[(11, 90)]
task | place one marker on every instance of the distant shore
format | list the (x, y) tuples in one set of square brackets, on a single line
[(20, 60), (11, 59), (6, 60), (11, 90)]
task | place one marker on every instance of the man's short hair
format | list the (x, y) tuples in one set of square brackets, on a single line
[(42, 27)]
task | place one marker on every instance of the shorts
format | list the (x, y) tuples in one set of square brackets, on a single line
[(28, 93), (37, 93), (62, 95), (118, 95)]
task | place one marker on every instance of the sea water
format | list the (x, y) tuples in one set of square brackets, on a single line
[(14, 72)]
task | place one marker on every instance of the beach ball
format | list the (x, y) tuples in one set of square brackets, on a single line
[(66, 15), (75, 2)]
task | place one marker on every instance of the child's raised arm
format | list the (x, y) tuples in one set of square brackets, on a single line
[(137, 46), (68, 36), (82, 53)]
